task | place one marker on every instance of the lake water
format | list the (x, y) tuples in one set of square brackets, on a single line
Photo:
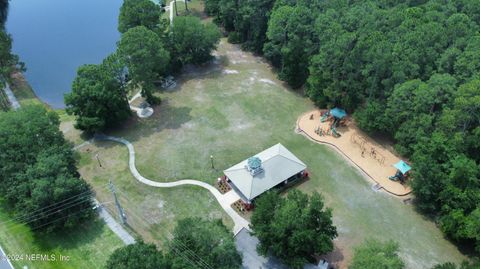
[(55, 37)]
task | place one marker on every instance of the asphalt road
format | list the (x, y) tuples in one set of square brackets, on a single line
[(4, 262)]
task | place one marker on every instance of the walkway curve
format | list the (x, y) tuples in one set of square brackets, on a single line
[(223, 199)]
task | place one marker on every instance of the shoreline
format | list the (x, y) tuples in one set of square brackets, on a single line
[(23, 91)]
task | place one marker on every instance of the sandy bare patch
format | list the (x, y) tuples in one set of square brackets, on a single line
[(268, 81), (230, 71)]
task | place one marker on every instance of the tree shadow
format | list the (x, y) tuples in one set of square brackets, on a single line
[(73, 238), (165, 117), (334, 257)]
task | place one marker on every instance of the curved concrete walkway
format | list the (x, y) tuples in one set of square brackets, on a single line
[(225, 200)]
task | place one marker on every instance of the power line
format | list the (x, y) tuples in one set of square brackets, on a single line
[(46, 207), (185, 250), (41, 216), (45, 224), (25, 219), (179, 251), (49, 212)]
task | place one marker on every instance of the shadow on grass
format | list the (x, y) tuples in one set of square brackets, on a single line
[(75, 237), (165, 117), (334, 257)]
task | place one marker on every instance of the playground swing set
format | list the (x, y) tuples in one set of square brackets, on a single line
[(336, 117), (362, 143), (402, 173)]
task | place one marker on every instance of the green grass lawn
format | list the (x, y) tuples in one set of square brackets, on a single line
[(151, 212), (87, 247), (232, 109)]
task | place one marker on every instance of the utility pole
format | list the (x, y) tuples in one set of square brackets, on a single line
[(175, 2), (121, 213), (98, 160)]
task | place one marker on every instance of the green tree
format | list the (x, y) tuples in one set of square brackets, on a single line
[(293, 228), (211, 241), (371, 117), (138, 13), (468, 62), (142, 51), (8, 61), (464, 265), (98, 99), (138, 256), (3, 12), (460, 201), (431, 153), (374, 254), (212, 8), (192, 41), (290, 43), (38, 177), (448, 265), (249, 19)]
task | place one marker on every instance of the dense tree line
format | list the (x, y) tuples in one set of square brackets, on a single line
[(39, 181), (373, 254), (3, 11), (149, 50), (9, 62), (196, 243), (294, 228), (464, 265), (408, 69)]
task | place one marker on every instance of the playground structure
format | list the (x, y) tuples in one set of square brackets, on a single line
[(374, 159), (402, 173), (336, 117), (366, 146)]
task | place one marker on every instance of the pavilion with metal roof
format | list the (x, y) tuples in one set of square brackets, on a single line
[(265, 170)]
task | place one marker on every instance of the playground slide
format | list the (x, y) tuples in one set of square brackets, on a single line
[(324, 117), (334, 132)]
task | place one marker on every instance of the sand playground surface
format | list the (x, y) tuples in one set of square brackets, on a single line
[(372, 158)]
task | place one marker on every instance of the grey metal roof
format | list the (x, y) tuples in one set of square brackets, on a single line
[(278, 164)]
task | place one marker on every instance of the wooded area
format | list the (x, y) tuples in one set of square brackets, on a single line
[(9, 62), (149, 50), (407, 69), (39, 180)]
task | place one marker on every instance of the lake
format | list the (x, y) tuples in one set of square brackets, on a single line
[(55, 37)]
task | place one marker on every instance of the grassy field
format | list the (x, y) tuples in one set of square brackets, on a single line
[(152, 213), (232, 109), (88, 246)]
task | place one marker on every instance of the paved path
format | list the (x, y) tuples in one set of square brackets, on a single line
[(225, 200), (137, 95), (4, 262), (11, 97), (114, 225), (88, 142)]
